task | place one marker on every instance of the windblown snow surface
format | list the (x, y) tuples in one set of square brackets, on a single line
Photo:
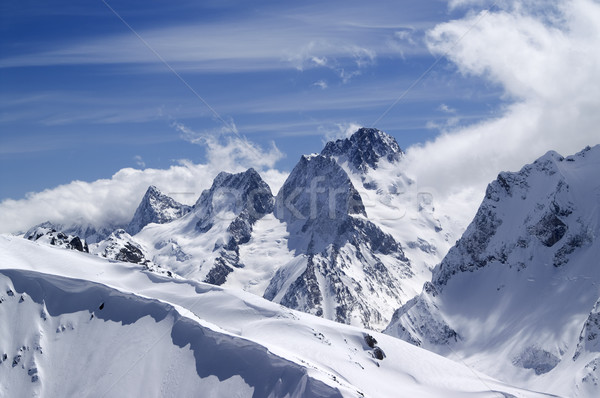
[(74, 324)]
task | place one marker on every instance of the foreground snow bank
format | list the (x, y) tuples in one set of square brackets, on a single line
[(73, 324)]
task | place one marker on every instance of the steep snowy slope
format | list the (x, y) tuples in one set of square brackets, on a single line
[(78, 325), (517, 297)]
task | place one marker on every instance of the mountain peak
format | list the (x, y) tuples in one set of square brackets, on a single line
[(153, 191), (318, 195), (155, 207), (364, 149), (524, 272), (234, 193), (239, 199)]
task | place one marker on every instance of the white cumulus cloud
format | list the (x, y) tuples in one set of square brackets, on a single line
[(112, 201), (549, 67)]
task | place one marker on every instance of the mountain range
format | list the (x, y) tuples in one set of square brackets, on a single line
[(351, 238), (327, 243)]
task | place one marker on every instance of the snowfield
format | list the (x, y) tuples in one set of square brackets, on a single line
[(73, 324)]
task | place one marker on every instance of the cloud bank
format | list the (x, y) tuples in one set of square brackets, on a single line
[(548, 65), (110, 202)]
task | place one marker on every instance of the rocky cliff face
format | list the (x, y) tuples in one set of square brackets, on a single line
[(121, 246), (238, 200), (155, 207), (364, 149)]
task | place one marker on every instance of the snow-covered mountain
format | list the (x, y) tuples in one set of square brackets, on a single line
[(73, 324), (238, 201), (394, 201), (517, 296), (120, 246), (206, 244), (364, 149), (155, 207), (334, 242), (349, 236), (89, 233), (346, 268), (369, 237)]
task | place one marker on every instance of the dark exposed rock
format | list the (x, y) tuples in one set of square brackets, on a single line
[(218, 274), (78, 245), (538, 359), (572, 243), (50, 234), (364, 149), (370, 340), (245, 195), (326, 221), (318, 199), (121, 246), (130, 254), (549, 230), (589, 337), (248, 198), (471, 248), (378, 353), (155, 207), (305, 289)]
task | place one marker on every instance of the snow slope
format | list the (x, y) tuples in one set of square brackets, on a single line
[(73, 324), (517, 297)]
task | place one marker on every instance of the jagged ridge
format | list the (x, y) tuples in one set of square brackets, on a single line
[(155, 207)]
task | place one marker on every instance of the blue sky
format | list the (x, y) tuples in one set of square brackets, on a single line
[(83, 97), (90, 116)]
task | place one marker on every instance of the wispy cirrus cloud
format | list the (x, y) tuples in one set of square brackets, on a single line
[(237, 46)]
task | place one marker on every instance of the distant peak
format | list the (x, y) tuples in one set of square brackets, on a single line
[(364, 149), (245, 191), (242, 180), (153, 190), (155, 207)]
